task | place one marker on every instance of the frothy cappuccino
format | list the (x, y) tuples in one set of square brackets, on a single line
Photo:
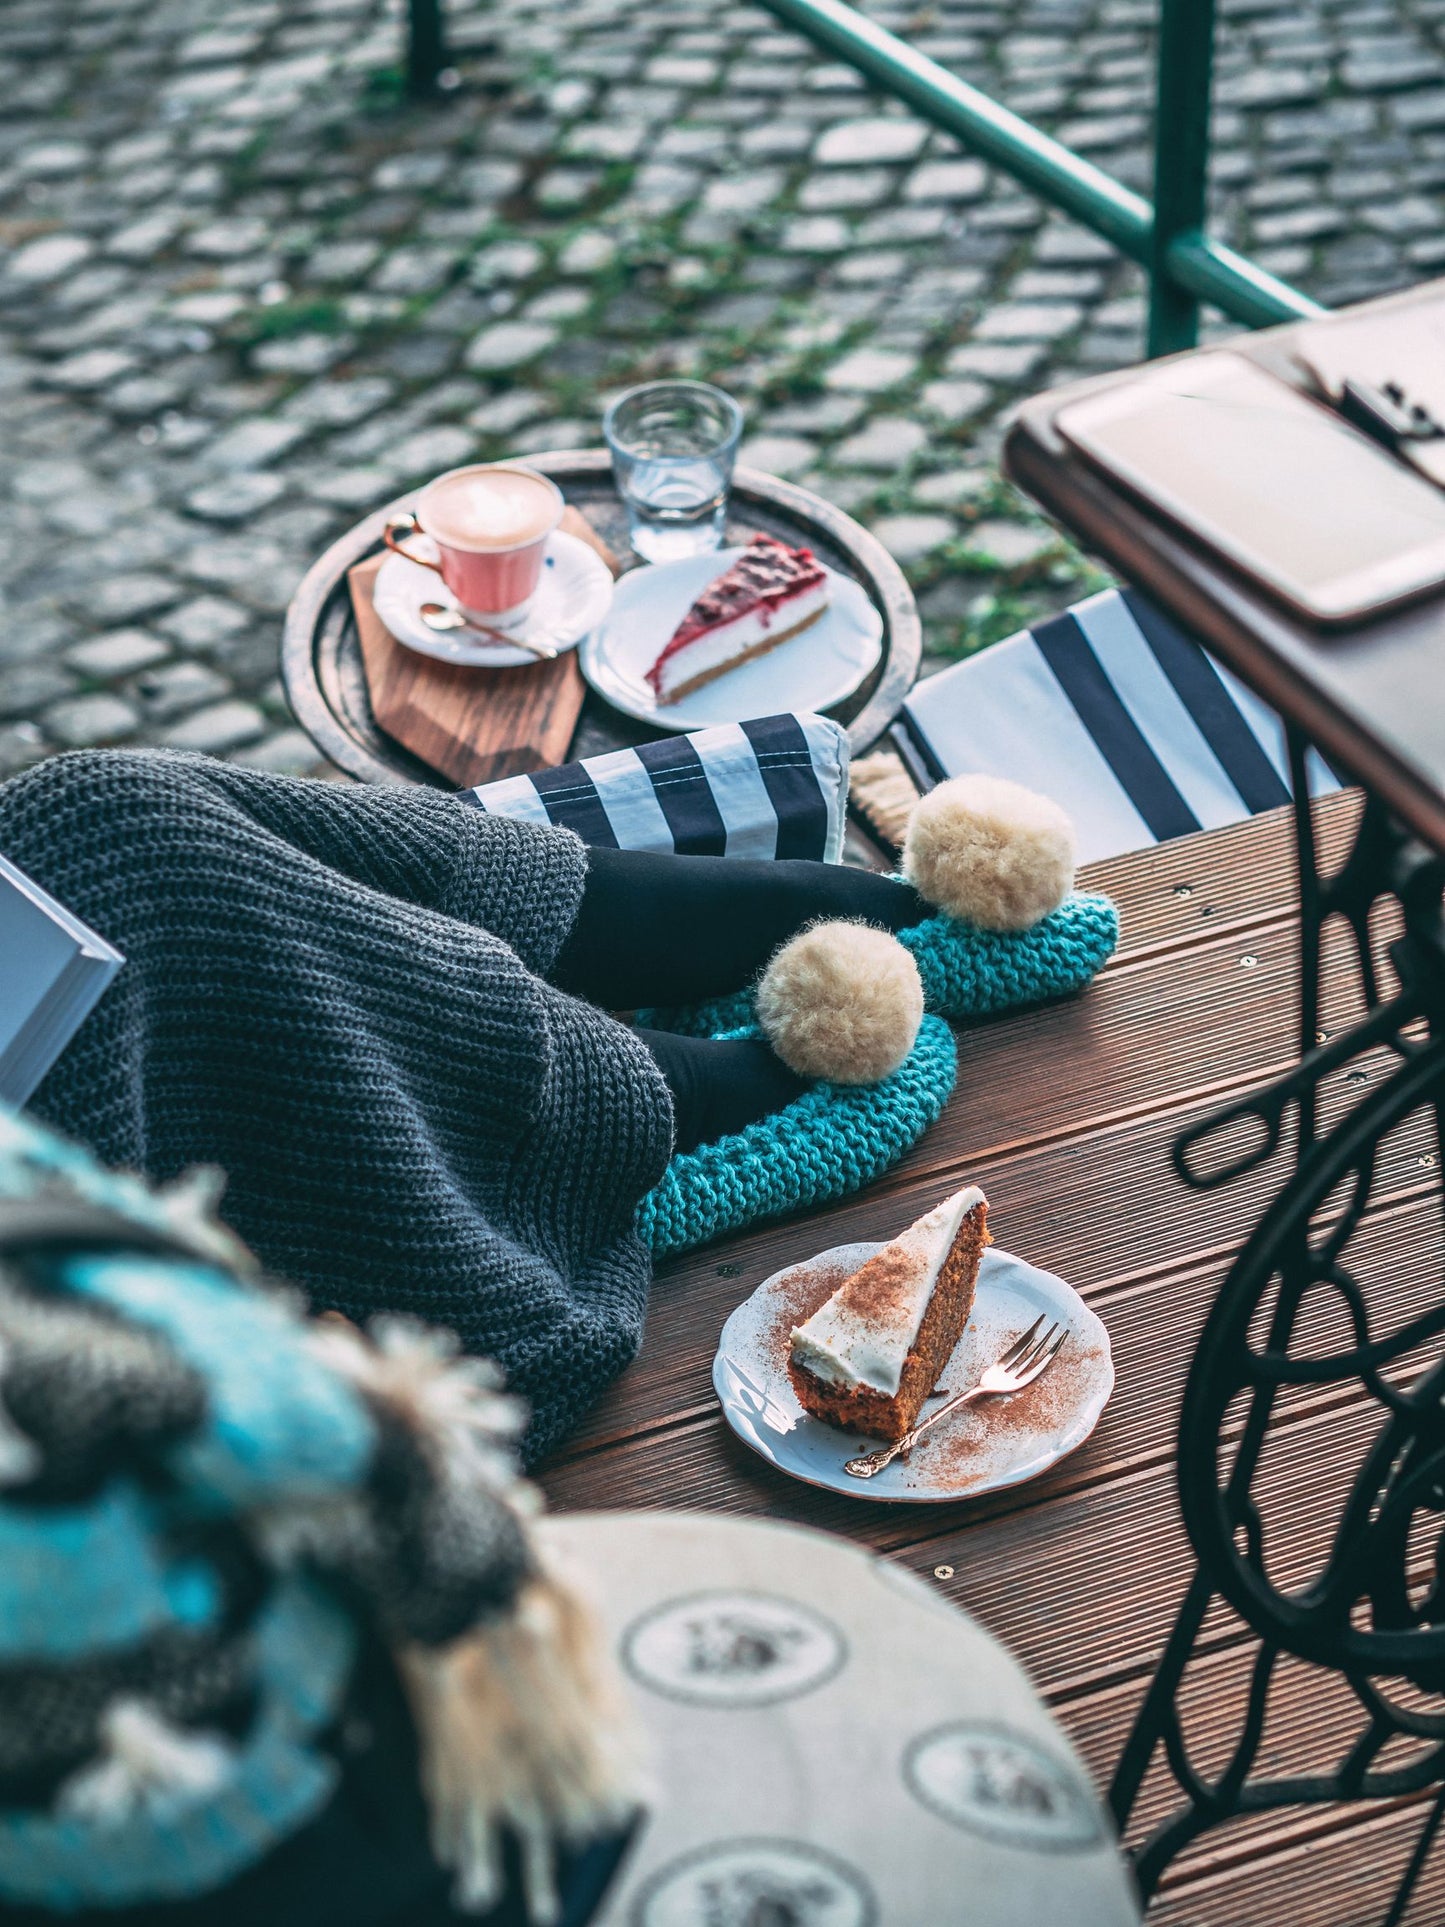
[(489, 526), (485, 510)]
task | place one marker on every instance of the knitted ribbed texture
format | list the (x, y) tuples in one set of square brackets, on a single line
[(836, 1139), (975, 973), (328, 992), (828, 1143), (172, 1439), (966, 972)]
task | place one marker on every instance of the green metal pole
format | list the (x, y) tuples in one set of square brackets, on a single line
[(1181, 165), (426, 48), (1056, 173), (1185, 264), (1227, 280)]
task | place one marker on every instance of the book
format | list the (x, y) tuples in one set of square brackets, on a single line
[(53, 969)]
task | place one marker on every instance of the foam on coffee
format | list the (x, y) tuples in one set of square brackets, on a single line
[(489, 508)]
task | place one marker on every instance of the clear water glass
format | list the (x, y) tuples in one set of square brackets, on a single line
[(673, 447)]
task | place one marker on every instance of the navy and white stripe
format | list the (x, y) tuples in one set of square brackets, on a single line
[(1119, 716), (776, 787)]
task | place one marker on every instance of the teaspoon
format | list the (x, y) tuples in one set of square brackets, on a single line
[(442, 618)]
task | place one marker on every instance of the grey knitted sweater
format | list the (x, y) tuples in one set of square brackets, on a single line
[(338, 995)]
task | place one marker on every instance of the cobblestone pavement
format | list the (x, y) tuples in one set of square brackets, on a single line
[(248, 293)]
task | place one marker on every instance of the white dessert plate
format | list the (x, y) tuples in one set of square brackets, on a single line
[(814, 670), (992, 1443), (572, 597)]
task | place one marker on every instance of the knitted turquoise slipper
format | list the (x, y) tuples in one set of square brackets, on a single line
[(998, 863), (843, 1003), (966, 972), (830, 1142)]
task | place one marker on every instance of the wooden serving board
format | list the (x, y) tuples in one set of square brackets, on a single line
[(471, 725)]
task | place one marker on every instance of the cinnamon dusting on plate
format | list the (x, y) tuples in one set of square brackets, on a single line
[(984, 1440)]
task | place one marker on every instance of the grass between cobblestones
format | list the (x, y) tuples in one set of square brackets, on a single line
[(248, 291)]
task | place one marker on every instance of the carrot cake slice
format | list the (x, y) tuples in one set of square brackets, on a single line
[(770, 594), (870, 1355)]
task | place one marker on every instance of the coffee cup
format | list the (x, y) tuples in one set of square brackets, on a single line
[(489, 524)]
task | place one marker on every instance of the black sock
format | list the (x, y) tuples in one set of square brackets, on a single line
[(655, 929), (720, 1084)]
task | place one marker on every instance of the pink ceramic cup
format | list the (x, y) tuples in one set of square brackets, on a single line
[(490, 523)]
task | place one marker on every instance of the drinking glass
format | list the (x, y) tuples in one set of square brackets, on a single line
[(673, 447)]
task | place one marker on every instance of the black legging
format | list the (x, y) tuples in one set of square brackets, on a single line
[(656, 929)]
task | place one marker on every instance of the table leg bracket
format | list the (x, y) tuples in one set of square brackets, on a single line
[(1306, 1324)]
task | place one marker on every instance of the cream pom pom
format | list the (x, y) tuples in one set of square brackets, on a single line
[(990, 851), (841, 1001)]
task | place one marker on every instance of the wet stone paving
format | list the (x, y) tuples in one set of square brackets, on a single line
[(248, 292)]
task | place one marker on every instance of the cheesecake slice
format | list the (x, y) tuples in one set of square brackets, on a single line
[(871, 1354), (770, 594)]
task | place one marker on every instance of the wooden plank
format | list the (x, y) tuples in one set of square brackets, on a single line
[(1060, 1205), (1087, 1519), (1066, 1115), (1025, 1083), (1153, 1325), (1027, 1573), (1330, 1869), (1175, 892)]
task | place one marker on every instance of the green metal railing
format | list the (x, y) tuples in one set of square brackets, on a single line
[(1168, 239), (426, 48)]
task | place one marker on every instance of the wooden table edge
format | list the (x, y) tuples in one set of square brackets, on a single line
[(1206, 600)]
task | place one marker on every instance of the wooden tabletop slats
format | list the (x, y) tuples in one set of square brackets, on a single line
[(1102, 1209), (1234, 878), (1066, 1116), (1322, 1870), (1153, 1327)]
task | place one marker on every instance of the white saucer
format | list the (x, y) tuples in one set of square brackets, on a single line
[(572, 597), (813, 671), (994, 1443)]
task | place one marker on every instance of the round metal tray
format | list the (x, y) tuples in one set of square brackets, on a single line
[(321, 655)]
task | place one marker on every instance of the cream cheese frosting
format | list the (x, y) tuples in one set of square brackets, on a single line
[(865, 1331), (719, 646)]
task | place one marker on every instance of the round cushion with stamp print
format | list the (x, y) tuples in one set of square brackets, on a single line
[(832, 1744)]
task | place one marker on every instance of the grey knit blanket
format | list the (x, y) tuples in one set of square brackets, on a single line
[(338, 996)]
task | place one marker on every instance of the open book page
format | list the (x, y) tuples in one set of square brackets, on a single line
[(53, 968)]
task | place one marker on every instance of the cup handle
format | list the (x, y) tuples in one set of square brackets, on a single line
[(406, 524)]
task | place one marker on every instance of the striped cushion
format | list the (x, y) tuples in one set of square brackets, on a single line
[(777, 787), (1118, 715)]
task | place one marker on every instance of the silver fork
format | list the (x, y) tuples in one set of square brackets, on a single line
[(1026, 1359)]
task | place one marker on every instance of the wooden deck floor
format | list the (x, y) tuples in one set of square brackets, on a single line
[(1065, 1116)]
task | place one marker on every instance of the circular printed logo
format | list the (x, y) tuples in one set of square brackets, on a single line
[(997, 1783), (732, 1649), (756, 1883)]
